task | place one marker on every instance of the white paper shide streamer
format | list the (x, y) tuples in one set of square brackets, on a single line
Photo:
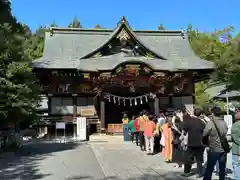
[(125, 101)]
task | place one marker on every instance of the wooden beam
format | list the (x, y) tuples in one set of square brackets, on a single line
[(102, 115), (156, 106)]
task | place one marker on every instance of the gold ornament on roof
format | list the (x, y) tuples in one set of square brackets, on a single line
[(123, 35), (148, 55), (98, 54), (119, 69), (86, 75)]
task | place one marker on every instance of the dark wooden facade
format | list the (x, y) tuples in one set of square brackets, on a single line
[(93, 88)]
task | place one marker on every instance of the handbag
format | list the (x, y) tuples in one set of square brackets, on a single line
[(223, 140), (162, 141)]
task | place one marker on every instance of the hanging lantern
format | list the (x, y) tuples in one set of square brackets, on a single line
[(141, 101), (124, 102), (130, 102), (119, 101), (109, 98), (135, 103), (114, 100)]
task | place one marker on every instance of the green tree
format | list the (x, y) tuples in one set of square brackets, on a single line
[(35, 45), (75, 23), (201, 97), (209, 47), (228, 67), (161, 27), (98, 26), (18, 87)]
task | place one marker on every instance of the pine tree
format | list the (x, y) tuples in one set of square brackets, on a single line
[(18, 86)]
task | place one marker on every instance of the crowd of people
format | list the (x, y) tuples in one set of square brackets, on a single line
[(183, 139)]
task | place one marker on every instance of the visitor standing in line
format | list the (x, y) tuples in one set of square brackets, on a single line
[(216, 130), (149, 128), (132, 128), (141, 119), (207, 116), (235, 133), (168, 138), (194, 128), (178, 154), (136, 127), (161, 119), (157, 137), (161, 122)]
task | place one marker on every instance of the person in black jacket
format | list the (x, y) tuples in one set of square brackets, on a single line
[(178, 153), (194, 128)]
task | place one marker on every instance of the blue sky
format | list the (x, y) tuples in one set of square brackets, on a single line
[(141, 14)]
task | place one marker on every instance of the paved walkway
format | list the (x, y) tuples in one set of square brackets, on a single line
[(125, 161), (98, 160)]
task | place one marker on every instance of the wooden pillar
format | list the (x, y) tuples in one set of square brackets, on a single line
[(156, 106), (74, 115), (50, 104), (102, 114), (74, 106)]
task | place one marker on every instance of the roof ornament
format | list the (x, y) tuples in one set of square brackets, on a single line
[(51, 32), (123, 21), (123, 35), (183, 34)]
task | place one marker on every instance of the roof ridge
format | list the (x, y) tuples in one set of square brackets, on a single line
[(54, 30)]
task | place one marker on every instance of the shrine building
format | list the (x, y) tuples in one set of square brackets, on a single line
[(101, 73)]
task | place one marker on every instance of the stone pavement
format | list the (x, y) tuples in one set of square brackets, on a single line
[(100, 159), (126, 161)]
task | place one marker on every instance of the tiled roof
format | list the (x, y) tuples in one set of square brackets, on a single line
[(64, 48), (221, 91)]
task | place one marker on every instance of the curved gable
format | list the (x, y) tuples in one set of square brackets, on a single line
[(124, 33)]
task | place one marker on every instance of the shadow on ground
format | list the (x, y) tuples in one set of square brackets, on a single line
[(24, 163), (162, 176)]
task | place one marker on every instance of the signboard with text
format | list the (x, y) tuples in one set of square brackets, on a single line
[(81, 128)]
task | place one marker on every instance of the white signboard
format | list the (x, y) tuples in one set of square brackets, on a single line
[(81, 128), (60, 125), (228, 119)]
